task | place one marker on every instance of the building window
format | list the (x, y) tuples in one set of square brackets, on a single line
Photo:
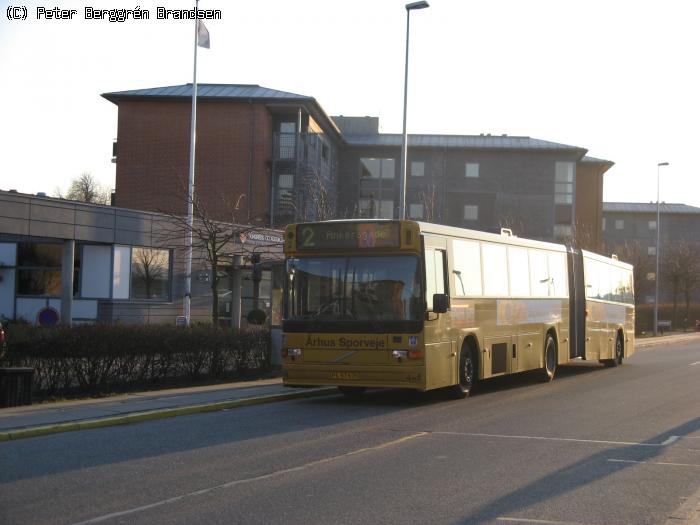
[(471, 212), (377, 168), (371, 208), (376, 184), (471, 170), (121, 272), (285, 194), (287, 138), (415, 211), (651, 250), (417, 168), (564, 182), (652, 225), (150, 274), (39, 269), (619, 224), (562, 231)]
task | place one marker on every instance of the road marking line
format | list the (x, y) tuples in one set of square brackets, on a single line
[(275, 474), (653, 463), (542, 438), (545, 522), (671, 439)]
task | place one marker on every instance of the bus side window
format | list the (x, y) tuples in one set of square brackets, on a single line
[(434, 274), (558, 276)]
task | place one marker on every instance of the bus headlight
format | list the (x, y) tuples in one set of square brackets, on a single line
[(293, 352)]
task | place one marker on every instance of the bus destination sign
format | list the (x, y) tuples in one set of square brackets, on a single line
[(348, 235)]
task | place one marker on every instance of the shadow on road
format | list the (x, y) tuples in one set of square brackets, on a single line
[(42, 456), (577, 475)]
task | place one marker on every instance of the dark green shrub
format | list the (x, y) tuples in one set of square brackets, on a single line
[(256, 316), (99, 358)]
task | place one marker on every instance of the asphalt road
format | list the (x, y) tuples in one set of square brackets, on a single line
[(596, 446)]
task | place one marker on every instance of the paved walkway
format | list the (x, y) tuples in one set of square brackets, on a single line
[(676, 337), (49, 418)]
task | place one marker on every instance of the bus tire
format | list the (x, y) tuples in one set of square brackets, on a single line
[(352, 392), (467, 374), (619, 353), (550, 359)]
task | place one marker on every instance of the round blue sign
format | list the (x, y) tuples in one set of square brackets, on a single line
[(47, 317)]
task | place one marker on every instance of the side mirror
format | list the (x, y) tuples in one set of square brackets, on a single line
[(441, 303)]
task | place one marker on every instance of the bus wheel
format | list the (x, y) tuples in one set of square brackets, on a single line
[(352, 392), (619, 353), (550, 359), (467, 371)]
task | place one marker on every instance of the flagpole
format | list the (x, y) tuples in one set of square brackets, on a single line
[(190, 184)]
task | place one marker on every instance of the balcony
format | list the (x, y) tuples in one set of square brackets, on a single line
[(311, 148), (304, 176)]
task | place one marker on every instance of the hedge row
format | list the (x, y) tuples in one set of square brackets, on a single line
[(101, 358)]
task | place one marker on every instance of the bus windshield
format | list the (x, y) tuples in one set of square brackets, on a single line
[(367, 288)]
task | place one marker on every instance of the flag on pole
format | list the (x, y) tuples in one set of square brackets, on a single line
[(202, 35)]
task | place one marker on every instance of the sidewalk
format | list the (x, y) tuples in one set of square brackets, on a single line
[(66, 416), (679, 337)]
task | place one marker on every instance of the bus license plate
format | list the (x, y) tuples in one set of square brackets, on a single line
[(345, 376)]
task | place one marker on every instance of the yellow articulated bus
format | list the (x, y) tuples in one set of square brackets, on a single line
[(404, 304)]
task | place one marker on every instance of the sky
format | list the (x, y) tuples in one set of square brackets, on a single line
[(619, 78)]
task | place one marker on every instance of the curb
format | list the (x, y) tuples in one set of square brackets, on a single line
[(665, 341), (688, 513), (137, 417)]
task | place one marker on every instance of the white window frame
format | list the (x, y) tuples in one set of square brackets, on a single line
[(414, 207), (415, 170), (471, 207)]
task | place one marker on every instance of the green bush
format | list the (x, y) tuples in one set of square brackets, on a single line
[(94, 359), (256, 316)]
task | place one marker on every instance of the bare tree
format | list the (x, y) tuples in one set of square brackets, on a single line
[(514, 223), (212, 240), (429, 198), (318, 204), (85, 188), (680, 270), (690, 278), (150, 266), (636, 254), (583, 237)]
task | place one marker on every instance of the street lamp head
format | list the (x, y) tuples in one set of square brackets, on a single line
[(417, 5), (662, 164)]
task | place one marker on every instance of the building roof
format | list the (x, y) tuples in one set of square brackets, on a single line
[(254, 91), (643, 207), (225, 92), (215, 91), (458, 141), (592, 160)]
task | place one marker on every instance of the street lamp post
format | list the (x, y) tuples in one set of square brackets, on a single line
[(658, 228), (402, 183)]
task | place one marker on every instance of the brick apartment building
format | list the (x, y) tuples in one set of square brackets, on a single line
[(281, 158), (249, 140)]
